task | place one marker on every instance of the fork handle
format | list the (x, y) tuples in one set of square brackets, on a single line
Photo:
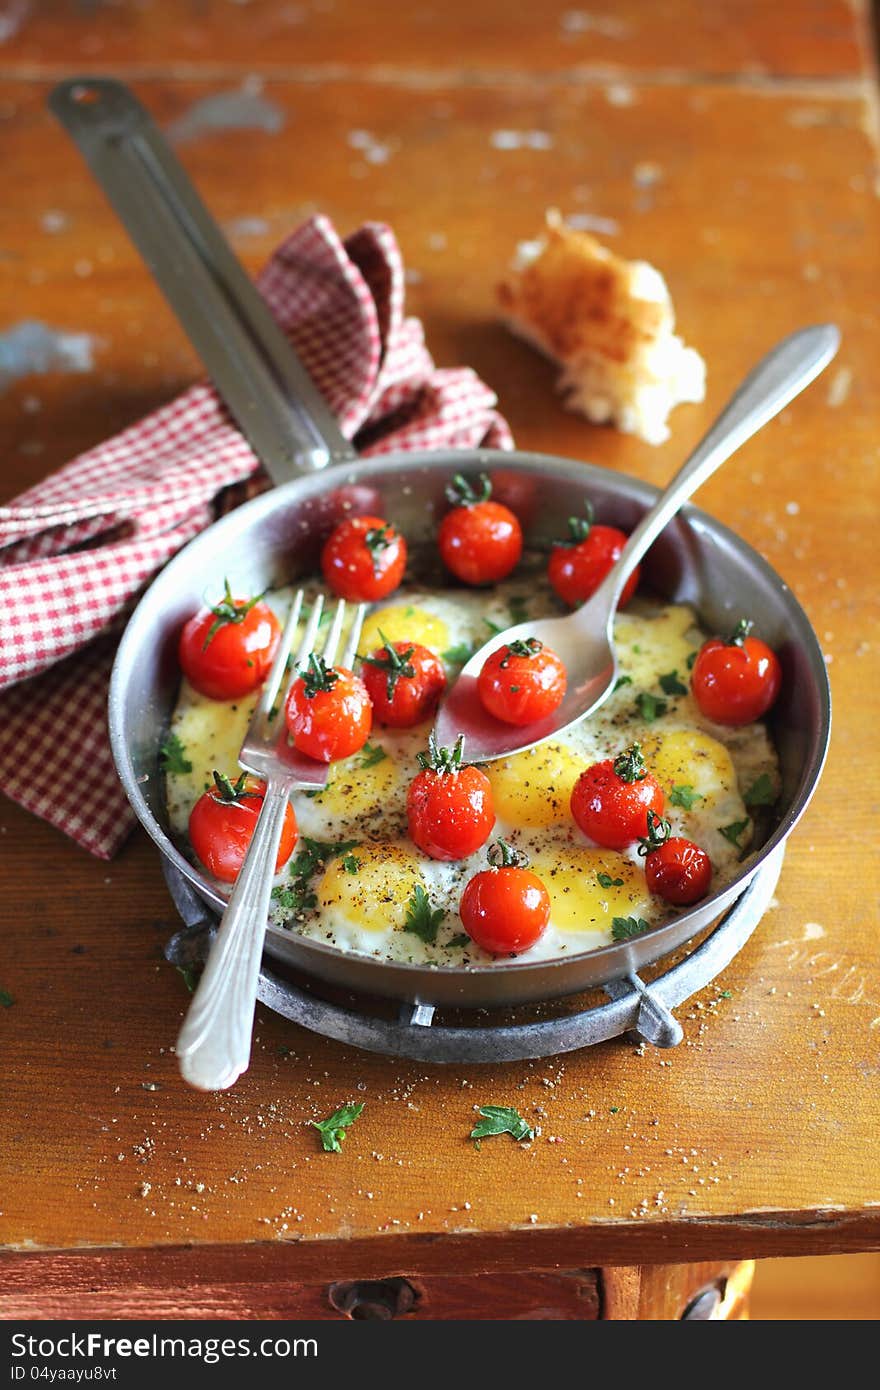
[(253, 366), (214, 1045)]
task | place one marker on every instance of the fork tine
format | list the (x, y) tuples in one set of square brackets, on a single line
[(307, 644), (354, 636), (273, 681), (330, 646)]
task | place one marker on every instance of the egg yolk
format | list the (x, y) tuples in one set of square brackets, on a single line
[(693, 759), (534, 788), (648, 645), (359, 786), (578, 901), (404, 623), (370, 886)]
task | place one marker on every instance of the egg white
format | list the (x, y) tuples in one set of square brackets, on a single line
[(362, 907)]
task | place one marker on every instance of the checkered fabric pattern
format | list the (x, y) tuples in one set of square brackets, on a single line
[(77, 549)]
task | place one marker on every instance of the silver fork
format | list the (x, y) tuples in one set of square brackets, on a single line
[(214, 1045)]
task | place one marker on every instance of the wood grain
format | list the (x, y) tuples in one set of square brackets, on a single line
[(802, 38), (759, 1135)]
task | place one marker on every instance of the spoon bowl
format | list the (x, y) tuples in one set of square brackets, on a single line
[(584, 639)]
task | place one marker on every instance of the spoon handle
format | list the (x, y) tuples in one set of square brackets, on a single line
[(768, 388)]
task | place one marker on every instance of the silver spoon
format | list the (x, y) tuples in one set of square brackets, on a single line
[(584, 639)]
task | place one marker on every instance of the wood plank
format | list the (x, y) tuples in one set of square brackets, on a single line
[(801, 38), (760, 1134)]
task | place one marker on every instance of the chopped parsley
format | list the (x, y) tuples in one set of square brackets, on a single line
[(351, 863), (671, 685), (494, 628), (692, 656), (621, 682), (190, 974), (606, 881), (725, 994), (733, 831), (683, 794), (501, 1119), (624, 928), (458, 656), (371, 754), (650, 707), (332, 1130), (297, 898), (6, 999), (422, 919), (172, 756), (762, 791), (462, 939)]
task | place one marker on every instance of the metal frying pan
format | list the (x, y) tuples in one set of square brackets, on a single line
[(276, 538)]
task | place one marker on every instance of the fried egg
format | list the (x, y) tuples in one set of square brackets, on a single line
[(369, 889)]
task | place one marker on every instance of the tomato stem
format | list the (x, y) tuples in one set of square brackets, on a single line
[(461, 493), (228, 610), (443, 760), (502, 855), (395, 663), (229, 792), (740, 633), (630, 765), (317, 676), (659, 830)]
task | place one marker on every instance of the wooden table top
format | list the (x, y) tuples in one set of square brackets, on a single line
[(735, 146)]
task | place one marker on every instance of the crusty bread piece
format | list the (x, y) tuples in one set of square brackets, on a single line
[(608, 323)]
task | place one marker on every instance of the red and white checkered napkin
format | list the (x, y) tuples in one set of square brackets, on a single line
[(76, 549)]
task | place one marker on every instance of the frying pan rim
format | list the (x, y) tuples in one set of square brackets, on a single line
[(349, 472)]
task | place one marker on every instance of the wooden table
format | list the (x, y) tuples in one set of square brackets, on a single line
[(733, 144)]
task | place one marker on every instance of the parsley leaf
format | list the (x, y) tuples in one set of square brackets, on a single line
[(650, 707), (620, 682), (762, 791), (351, 863), (190, 974), (733, 831), (624, 928), (422, 919), (6, 999), (606, 881), (371, 754), (172, 756), (692, 657), (297, 898), (501, 1119), (458, 656), (683, 794), (332, 1130), (671, 685)]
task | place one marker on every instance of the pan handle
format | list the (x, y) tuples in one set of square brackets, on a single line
[(254, 368)]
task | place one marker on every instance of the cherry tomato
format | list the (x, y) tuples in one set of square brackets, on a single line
[(676, 869), (222, 824), (736, 681), (363, 559), (404, 682), (328, 712), (506, 908), (227, 651), (480, 541), (578, 566), (611, 800), (449, 806), (522, 682)]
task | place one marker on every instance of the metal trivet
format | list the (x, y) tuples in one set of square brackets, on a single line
[(633, 1007)]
